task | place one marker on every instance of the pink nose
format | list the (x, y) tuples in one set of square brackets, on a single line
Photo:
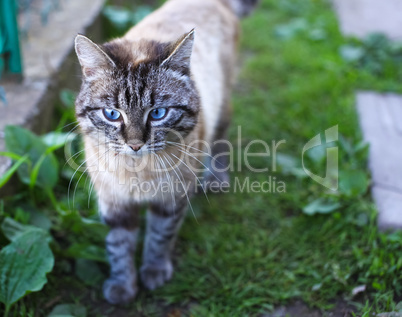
[(136, 146)]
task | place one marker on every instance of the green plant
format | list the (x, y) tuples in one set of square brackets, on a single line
[(375, 54), (24, 262), (28, 258), (352, 176), (36, 164), (248, 253)]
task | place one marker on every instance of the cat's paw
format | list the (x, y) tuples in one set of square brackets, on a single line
[(118, 291), (153, 276)]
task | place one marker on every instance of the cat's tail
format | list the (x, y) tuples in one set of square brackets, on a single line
[(242, 8)]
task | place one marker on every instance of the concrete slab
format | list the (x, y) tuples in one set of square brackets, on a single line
[(49, 65), (379, 113), (379, 116), (362, 17), (47, 46), (389, 202)]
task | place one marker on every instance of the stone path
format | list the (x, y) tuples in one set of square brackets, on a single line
[(49, 64), (380, 114), (380, 121), (362, 17)]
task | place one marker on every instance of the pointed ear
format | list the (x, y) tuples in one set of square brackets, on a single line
[(180, 53), (94, 61)]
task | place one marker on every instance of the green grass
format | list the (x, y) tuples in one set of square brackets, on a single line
[(248, 253)]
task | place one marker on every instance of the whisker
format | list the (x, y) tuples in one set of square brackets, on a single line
[(103, 180), (72, 157), (183, 186), (76, 185), (170, 181), (67, 125), (72, 177), (205, 193), (113, 184), (73, 129), (185, 146), (159, 175), (189, 154), (91, 188)]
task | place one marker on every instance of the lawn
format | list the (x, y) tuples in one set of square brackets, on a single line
[(247, 253)]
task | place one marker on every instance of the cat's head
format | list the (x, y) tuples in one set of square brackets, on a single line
[(136, 96)]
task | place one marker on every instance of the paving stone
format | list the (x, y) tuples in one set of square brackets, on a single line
[(379, 116), (379, 113), (49, 65), (389, 203), (362, 17)]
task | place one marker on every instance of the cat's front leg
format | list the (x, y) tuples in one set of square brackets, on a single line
[(121, 287), (163, 224)]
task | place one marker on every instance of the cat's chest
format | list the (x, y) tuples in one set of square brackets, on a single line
[(123, 184), (147, 184)]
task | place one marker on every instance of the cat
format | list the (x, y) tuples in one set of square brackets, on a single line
[(150, 105)]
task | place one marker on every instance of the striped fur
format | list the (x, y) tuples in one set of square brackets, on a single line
[(159, 63), (121, 287), (160, 235)]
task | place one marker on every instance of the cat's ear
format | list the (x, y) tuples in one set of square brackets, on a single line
[(94, 61), (180, 53)]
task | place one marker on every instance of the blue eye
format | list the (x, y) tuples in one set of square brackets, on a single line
[(111, 114), (158, 113)]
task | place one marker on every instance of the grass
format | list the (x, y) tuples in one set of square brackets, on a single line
[(248, 253)]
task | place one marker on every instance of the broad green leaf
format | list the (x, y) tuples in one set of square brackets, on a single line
[(21, 215), (40, 220), (13, 229), (9, 173), (88, 271), (23, 142), (36, 169), (87, 251), (24, 264), (56, 140), (68, 310), (321, 206), (11, 155), (95, 230), (353, 182)]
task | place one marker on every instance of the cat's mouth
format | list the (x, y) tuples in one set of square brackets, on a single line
[(140, 151)]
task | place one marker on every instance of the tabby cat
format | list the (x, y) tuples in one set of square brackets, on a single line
[(151, 104)]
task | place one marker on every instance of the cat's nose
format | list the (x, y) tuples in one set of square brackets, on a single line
[(136, 146)]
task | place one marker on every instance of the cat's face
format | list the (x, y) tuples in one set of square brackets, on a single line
[(136, 107)]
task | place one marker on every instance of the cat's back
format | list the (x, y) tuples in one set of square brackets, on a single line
[(176, 17), (214, 53)]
